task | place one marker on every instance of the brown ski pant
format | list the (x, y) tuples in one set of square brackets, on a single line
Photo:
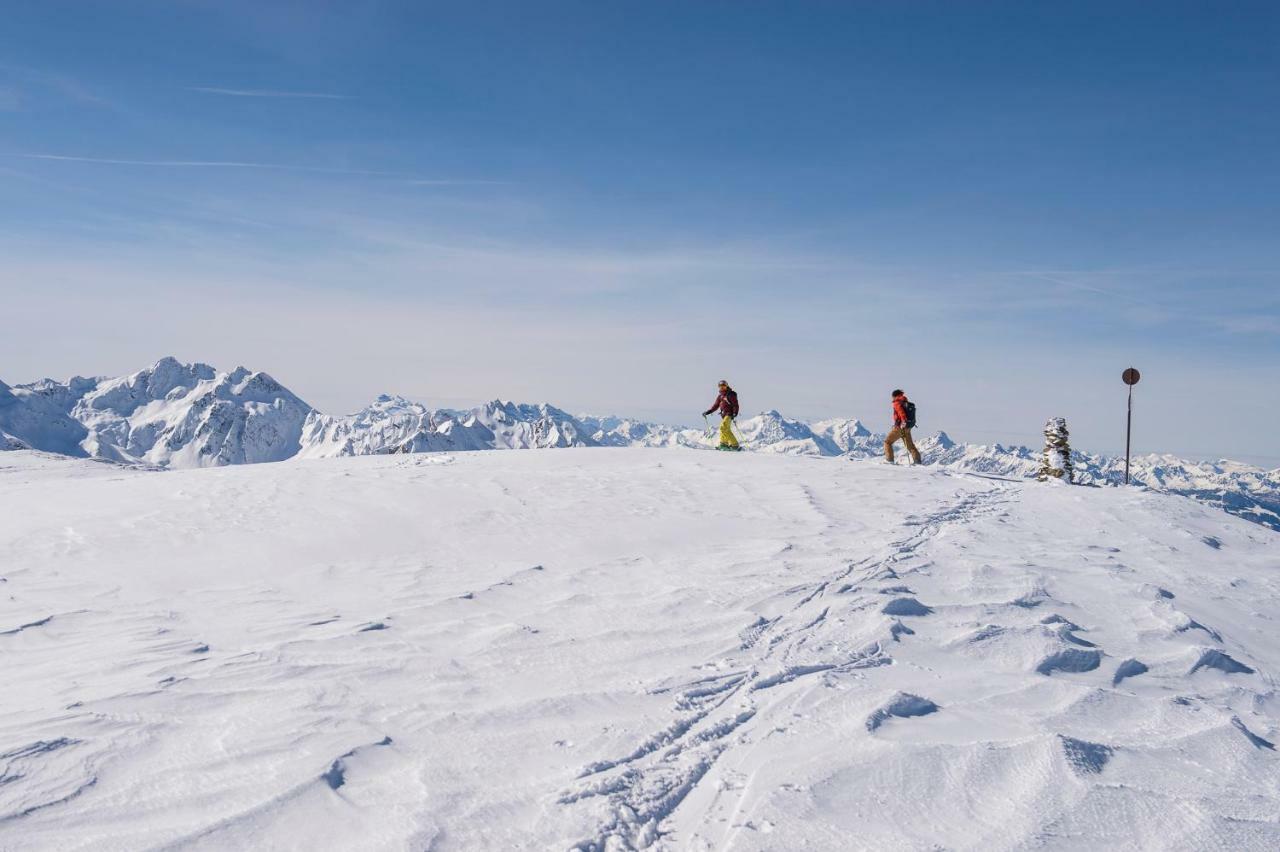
[(903, 433)]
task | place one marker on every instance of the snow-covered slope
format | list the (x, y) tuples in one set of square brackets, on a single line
[(30, 421), (190, 415), (628, 649)]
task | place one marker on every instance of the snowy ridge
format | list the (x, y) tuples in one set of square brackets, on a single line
[(190, 415), (396, 425), (630, 649)]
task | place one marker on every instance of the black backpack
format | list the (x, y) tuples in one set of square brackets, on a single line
[(911, 414)]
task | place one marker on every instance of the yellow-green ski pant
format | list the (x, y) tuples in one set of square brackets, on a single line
[(726, 432)]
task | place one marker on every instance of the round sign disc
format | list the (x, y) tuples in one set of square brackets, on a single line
[(1131, 376)]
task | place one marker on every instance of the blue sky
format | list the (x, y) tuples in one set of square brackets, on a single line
[(609, 206)]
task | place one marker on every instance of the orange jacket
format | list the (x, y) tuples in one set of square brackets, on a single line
[(900, 410)]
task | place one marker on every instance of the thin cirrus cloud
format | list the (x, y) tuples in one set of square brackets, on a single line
[(36, 80), (411, 180), (208, 164), (267, 93)]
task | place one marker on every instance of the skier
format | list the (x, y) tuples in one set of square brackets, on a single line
[(904, 420), (727, 404)]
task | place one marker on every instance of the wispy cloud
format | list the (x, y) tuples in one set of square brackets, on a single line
[(246, 164), (1260, 324), (407, 179), (267, 93), (1069, 281), (212, 164), (63, 85), (455, 182)]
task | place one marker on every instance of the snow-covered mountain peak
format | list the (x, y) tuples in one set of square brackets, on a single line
[(845, 434), (257, 387), (167, 414), (389, 401), (510, 411), (123, 396)]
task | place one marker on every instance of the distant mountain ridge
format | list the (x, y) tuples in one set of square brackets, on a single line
[(176, 415)]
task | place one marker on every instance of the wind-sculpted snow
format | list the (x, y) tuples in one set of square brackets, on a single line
[(190, 415), (615, 649)]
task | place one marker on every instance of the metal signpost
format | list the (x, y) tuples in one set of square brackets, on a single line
[(1131, 377)]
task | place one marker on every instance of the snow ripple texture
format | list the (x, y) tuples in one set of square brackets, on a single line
[(621, 649)]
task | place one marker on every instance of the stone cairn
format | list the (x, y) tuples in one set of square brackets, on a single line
[(1057, 452)]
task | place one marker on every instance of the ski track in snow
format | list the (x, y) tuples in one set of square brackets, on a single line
[(628, 649), (797, 643)]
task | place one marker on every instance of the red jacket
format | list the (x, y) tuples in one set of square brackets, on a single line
[(900, 410), (727, 402)]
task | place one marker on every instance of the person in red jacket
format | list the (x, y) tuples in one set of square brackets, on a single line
[(904, 420), (727, 404)]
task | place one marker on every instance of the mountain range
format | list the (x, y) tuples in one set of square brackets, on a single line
[(175, 415)]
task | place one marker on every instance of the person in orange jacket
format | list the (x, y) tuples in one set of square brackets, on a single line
[(904, 420)]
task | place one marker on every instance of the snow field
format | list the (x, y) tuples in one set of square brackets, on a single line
[(624, 649)]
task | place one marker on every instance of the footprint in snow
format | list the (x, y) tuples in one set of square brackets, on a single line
[(1257, 741), (1030, 600), (1129, 668), (1070, 660), (1066, 630), (898, 630), (336, 775), (1223, 662), (906, 606), (1084, 757), (1191, 624), (901, 706)]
